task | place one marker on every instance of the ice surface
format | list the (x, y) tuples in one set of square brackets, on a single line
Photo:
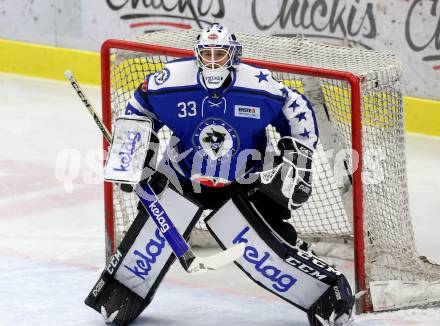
[(52, 234)]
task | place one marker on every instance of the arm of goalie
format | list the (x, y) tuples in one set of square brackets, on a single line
[(129, 147)]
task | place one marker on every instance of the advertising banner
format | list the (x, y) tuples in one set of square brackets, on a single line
[(408, 28)]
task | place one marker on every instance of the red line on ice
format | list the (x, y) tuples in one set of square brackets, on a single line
[(24, 178), (48, 260), (60, 200)]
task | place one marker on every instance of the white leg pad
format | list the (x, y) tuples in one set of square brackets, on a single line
[(147, 257), (292, 274)]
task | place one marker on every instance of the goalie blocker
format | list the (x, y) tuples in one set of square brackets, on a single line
[(128, 150)]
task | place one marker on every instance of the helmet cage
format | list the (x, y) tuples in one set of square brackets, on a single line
[(208, 58)]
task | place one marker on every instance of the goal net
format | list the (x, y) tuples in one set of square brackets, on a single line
[(359, 193)]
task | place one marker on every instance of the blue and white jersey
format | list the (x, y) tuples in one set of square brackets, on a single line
[(222, 132)]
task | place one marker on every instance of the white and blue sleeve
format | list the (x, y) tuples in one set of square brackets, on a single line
[(297, 119), (140, 105)]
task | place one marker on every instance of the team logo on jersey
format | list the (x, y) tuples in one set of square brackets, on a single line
[(216, 139), (162, 76), (244, 111)]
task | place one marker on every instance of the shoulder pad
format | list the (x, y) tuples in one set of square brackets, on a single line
[(257, 78), (176, 73)]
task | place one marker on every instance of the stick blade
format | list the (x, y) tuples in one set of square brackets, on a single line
[(203, 264)]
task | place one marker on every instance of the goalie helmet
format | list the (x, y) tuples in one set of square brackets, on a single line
[(217, 52)]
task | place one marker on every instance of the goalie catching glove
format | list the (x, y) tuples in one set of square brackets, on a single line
[(293, 175)]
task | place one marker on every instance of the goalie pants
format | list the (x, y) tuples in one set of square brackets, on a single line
[(272, 212)]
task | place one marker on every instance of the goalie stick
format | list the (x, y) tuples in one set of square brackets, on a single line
[(188, 259)]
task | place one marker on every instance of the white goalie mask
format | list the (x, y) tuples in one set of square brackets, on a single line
[(217, 51)]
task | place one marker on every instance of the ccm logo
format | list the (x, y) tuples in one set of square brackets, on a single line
[(337, 293), (98, 287), (304, 188), (114, 261), (312, 267)]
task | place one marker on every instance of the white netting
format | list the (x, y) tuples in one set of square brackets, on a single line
[(390, 251)]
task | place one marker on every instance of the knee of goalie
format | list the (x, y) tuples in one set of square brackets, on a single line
[(338, 299)]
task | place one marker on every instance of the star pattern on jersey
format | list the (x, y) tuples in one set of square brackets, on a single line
[(284, 92), (261, 77), (294, 105), (301, 116), (305, 133)]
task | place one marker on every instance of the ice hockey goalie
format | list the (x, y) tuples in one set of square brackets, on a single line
[(218, 158)]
